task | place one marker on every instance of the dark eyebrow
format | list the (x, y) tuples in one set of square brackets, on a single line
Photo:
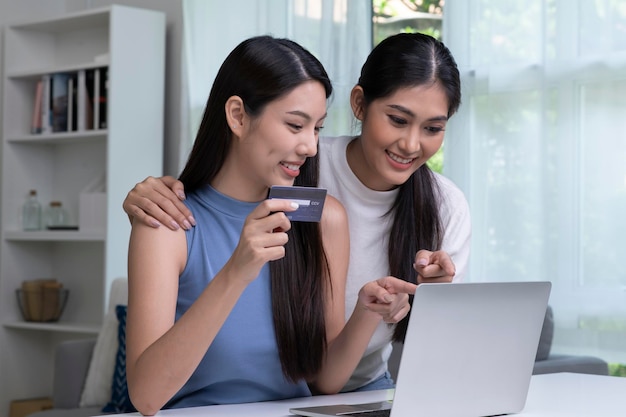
[(305, 115), (410, 113)]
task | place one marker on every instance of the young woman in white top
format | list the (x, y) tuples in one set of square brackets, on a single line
[(404, 220)]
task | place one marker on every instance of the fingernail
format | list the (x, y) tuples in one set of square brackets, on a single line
[(181, 195), (186, 225), (388, 298), (422, 262), (174, 225), (295, 205), (192, 220), (155, 223)]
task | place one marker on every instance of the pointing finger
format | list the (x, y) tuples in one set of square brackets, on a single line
[(395, 285)]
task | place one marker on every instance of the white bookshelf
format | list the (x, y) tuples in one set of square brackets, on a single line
[(130, 43)]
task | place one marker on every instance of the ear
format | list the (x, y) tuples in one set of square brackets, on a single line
[(357, 102), (235, 114)]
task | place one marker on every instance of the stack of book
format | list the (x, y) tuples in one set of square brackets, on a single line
[(71, 101)]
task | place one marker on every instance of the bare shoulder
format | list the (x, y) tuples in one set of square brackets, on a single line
[(336, 242), (148, 243), (334, 214)]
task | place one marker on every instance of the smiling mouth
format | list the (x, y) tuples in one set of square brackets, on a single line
[(292, 167), (399, 159)]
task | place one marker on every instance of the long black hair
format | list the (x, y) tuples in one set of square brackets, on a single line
[(399, 61), (260, 70)]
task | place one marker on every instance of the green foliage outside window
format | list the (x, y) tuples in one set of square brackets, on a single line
[(617, 369)]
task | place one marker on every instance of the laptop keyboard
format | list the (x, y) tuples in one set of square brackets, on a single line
[(372, 413)]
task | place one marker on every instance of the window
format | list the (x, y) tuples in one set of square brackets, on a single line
[(538, 146), (335, 31), (406, 16)]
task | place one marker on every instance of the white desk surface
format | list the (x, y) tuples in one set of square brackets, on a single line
[(550, 395)]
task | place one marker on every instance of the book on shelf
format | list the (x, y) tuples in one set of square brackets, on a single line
[(36, 122), (46, 113), (60, 98), (95, 97), (103, 91), (83, 110), (71, 101), (72, 119), (100, 90), (90, 108)]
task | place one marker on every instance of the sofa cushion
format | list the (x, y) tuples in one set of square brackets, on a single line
[(97, 389), (71, 364), (571, 363), (547, 334), (120, 401)]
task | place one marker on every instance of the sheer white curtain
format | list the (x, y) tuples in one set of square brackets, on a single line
[(539, 147), (337, 32)]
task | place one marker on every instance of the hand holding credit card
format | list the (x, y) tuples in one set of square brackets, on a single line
[(310, 201)]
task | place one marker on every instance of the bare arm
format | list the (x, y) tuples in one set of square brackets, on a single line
[(162, 354), (156, 201)]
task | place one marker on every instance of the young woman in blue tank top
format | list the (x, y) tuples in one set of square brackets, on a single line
[(248, 306)]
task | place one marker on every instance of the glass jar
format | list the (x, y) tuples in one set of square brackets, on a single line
[(31, 212), (55, 215)]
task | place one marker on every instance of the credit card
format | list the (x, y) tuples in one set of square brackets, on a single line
[(310, 201)]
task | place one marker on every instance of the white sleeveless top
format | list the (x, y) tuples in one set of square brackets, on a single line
[(369, 233)]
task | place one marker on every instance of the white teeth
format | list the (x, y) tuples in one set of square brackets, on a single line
[(291, 167), (398, 159)]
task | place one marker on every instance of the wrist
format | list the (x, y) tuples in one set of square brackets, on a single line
[(363, 312)]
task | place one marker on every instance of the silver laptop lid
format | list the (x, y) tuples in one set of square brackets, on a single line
[(470, 349)]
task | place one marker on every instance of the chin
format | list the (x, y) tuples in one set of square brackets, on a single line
[(283, 183)]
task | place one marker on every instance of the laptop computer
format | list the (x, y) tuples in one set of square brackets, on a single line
[(469, 352)]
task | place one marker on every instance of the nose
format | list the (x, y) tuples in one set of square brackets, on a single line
[(411, 142), (308, 146)]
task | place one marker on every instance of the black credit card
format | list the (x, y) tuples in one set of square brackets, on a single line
[(310, 201)]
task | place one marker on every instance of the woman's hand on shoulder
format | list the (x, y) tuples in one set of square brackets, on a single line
[(387, 297), (156, 201), (434, 266)]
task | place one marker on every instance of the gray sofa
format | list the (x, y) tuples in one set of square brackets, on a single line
[(546, 361), (73, 357), (71, 364)]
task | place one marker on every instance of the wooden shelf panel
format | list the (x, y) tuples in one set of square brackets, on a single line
[(84, 328), (61, 137), (55, 236), (34, 74), (65, 24)]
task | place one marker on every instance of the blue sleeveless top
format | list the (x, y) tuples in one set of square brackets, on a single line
[(242, 363)]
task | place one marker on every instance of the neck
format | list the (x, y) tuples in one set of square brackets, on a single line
[(232, 182)]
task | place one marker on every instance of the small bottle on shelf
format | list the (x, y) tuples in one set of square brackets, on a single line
[(55, 215), (31, 212)]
